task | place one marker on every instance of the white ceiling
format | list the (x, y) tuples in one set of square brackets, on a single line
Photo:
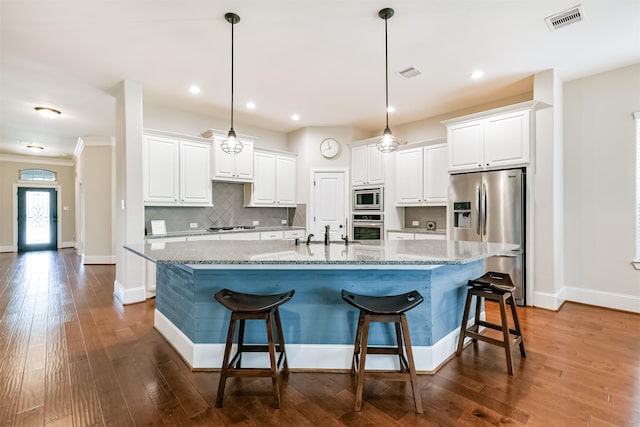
[(322, 59)]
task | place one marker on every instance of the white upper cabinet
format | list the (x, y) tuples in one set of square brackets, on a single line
[(490, 140), (232, 167), (274, 181), (176, 171), (422, 178), (366, 165), (160, 165)]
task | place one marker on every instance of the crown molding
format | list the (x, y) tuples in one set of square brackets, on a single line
[(36, 160)]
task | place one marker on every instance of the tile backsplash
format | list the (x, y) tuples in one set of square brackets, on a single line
[(227, 209), (424, 214)]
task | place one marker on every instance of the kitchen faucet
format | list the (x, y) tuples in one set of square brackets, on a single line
[(326, 234), (309, 238)]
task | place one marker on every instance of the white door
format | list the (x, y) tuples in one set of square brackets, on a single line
[(329, 206)]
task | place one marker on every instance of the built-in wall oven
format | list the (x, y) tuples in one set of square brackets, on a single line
[(368, 199), (368, 226)]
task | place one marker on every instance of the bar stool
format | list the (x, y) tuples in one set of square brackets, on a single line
[(496, 287), (250, 307), (387, 309)]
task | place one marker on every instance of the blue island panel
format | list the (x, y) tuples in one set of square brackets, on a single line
[(316, 314)]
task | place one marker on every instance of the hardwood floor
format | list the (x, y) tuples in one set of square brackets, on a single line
[(71, 355)]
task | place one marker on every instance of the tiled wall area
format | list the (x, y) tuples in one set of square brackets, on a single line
[(228, 209), (424, 214)]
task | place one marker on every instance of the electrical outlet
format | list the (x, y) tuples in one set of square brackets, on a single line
[(284, 222), (193, 225), (415, 223), (256, 222)]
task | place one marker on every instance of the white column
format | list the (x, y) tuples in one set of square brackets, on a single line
[(129, 285)]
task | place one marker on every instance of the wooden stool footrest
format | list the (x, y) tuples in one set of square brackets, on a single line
[(496, 327)]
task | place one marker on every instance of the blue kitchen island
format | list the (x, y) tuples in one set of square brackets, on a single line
[(319, 327)]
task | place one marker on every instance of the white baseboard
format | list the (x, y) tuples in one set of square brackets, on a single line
[(604, 299), (548, 300), (63, 245), (98, 259), (128, 296), (304, 356), (9, 248)]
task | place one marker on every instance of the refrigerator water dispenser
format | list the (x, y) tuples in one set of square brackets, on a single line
[(461, 214)]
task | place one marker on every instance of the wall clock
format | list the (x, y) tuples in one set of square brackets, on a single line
[(329, 148)]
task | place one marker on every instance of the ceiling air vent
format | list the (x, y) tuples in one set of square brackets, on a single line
[(562, 19), (410, 72)]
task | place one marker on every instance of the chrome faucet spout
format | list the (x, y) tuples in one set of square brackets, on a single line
[(327, 239)]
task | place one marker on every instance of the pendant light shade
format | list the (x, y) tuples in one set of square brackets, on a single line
[(387, 143), (232, 145)]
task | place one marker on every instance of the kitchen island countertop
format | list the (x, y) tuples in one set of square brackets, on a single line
[(360, 253)]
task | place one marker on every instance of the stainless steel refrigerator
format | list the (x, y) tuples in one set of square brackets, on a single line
[(490, 207)]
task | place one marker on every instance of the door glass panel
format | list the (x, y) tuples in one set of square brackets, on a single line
[(38, 217)]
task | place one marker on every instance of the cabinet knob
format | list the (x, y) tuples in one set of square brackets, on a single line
[(487, 164)]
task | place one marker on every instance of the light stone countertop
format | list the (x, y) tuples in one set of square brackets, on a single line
[(258, 229), (418, 230), (286, 254)]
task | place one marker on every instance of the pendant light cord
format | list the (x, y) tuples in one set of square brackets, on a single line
[(232, 25), (386, 73)]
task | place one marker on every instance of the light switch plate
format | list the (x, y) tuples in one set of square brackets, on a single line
[(256, 222), (415, 223), (193, 225), (284, 222)]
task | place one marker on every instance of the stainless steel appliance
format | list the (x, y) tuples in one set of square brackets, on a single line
[(368, 226), (490, 207), (368, 199)]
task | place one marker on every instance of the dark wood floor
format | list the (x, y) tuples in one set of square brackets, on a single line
[(71, 355)]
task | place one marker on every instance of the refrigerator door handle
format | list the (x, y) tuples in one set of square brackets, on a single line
[(478, 209), (484, 209)]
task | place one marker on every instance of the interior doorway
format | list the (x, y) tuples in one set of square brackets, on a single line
[(330, 204), (37, 219)]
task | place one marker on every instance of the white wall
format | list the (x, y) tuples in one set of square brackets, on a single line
[(599, 159), (306, 143), (188, 123)]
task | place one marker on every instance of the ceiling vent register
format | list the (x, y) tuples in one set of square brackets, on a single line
[(410, 72), (562, 19)]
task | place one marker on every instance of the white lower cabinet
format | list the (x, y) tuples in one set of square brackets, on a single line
[(203, 237), (272, 235), (294, 234), (397, 235), (426, 236), (402, 235), (240, 236)]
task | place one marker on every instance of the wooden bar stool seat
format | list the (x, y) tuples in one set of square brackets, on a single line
[(498, 287), (388, 309), (253, 307)]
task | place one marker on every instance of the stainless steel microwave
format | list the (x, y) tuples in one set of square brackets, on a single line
[(368, 199)]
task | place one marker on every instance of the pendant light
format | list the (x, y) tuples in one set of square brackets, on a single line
[(387, 143), (232, 145)]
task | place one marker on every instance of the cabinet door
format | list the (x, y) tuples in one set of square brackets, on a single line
[(223, 163), (465, 141), (409, 176), (244, 162), (395, 235), (375, 170), (160, 170), (507, 139), (436, 175), (358, 165), (264, 185), (285, 180), (195, 173), (240, 236), (271, 235)]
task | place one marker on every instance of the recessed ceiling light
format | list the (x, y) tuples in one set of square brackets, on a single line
[(35, 148), (295, 117), (251, 105), (478, 74), (194, 89), (391, 109), (47, 112)]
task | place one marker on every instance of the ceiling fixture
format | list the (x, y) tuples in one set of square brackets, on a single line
[(564, 18), (35, 148), (48, 113), (295, 117), (194, 90), (251, 105), (232, 145), (387, 143), (410, 72), (478, 74)]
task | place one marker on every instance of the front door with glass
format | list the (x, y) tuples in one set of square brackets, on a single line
[(37, 219)]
